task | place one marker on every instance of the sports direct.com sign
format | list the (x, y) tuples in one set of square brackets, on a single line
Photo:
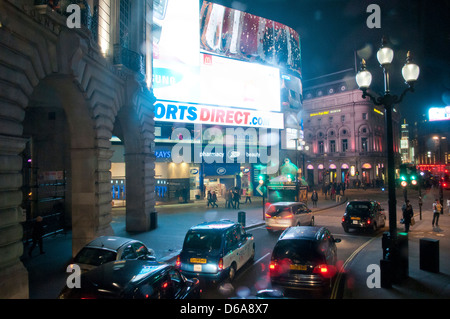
[(204, 114)]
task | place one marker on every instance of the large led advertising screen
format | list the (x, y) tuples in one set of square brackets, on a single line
[(216, 56)]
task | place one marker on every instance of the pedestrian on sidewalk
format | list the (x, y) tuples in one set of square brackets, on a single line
[(209, 198), (407, 214), (248, 196), (236, 198), (436, 211), (314, 198), (214, 199), (38, 232)]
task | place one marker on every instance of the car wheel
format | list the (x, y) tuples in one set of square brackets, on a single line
[(232, 272), (345, 229)]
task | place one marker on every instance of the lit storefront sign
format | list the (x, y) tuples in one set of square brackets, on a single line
[(328, 112), (205, 114), (439, 113)]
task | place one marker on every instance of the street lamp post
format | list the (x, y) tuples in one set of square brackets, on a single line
[(410, 74)]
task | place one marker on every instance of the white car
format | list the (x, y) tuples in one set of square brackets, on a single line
[(104, 249), (282, 215)]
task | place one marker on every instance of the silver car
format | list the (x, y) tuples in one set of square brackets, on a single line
[(111, 248), (282, 215)]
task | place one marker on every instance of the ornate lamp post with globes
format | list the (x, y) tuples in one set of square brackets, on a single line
[(410, 72)]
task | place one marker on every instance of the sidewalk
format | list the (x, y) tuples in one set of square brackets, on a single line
[(419, 284)]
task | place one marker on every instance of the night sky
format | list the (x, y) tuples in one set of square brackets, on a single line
[(333, 32)]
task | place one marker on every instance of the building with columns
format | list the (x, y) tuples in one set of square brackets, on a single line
[(345, 132), (64, 92)]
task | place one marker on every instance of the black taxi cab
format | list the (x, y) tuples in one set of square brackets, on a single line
[(215, 251)]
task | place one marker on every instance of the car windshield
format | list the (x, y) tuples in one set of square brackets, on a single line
[(358, 209), (208, 240), (299, 251), (95, 256), (275, 210)]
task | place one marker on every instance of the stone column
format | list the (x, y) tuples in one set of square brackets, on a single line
[(87, 222), (137, 216), (13, 275)]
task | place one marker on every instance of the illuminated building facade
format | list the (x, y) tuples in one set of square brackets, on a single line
[(346, 134)]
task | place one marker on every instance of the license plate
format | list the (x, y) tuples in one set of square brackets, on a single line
[(298, 267), (198, 260), (356, 222), (197, 267)]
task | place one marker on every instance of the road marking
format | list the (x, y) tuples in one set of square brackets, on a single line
[(254, 263), (346, 263)]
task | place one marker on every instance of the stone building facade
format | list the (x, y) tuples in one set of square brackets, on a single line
[(63, 93), (346, 135)]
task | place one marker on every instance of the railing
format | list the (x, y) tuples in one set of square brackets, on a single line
[(90, 21), (130, 59)]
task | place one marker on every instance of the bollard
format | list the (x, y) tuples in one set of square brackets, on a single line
[(241, 218), (386, 273), (403, 256), (429, 254), (153, 220)]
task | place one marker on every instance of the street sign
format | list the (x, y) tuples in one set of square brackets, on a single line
[(258, 189)]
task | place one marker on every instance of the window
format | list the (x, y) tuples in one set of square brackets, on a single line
[(344, 145), (124, 23), (364, 116), (332, 146), (321, 147), (364, 144), (342, 118), (129, 253)]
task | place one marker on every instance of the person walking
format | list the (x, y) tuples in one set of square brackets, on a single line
[(436, 211), (248, 196), (236, 198), (38, 232), (407, 214), (209, 198), (314, 198), (228, 198), (214, 199)]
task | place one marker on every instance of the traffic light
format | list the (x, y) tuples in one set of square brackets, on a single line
[(403, 181), (413, 179), (263, 179)]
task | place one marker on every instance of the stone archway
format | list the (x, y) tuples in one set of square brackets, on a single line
[(39, 54)]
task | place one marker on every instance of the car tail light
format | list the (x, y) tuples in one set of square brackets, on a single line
[(343, 218), (220, 264), (178, 262), (369, 221), (273, 268), (267, 215), (321, 269), (327, 271)]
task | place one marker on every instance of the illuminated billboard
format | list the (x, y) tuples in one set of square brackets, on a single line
[(439, 113), (207, 54)]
